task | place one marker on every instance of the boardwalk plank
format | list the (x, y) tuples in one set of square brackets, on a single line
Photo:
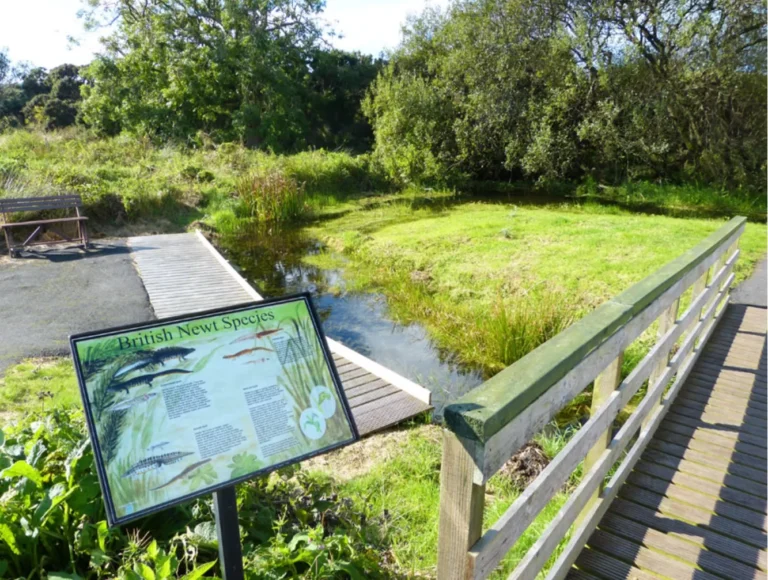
[(692, 532), (717, 476), (694, 514), (693, 553), (699, 491), (673, 419), (716, 461), (608, 567), (652, 560), (694, 482), (684, 434)]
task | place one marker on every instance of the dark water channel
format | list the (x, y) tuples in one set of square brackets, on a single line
[(272, 262)]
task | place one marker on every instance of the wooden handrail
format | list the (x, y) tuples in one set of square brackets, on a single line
[(488, 425)]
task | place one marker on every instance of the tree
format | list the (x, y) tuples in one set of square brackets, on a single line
[(615, 89), (234, 69)]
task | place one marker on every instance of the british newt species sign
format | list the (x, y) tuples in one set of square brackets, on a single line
[(185, 406)]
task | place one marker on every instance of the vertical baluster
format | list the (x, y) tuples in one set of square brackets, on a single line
[(461, 510)]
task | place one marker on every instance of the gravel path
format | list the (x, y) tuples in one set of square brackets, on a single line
[(47, 295)]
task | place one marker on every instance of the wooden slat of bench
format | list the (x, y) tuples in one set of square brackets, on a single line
[(43, 222), (71, 197), (10, 208)]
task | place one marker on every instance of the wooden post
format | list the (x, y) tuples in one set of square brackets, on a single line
[(605, 383), (461, 510)]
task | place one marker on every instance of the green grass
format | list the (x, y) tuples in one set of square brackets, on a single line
[(125, 178), (492, 280), (406, 487), (38, 384)]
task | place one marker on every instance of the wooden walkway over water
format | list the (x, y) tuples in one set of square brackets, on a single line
[(183, 274), (694, 506)]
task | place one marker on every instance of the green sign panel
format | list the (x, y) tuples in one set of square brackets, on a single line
[(185, 406)]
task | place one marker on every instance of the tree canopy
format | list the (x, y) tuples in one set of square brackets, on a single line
[(613, 89), (243, 70)]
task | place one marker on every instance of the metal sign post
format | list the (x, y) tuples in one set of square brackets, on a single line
[(228, 530)]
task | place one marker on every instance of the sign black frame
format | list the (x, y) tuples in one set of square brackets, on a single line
[(306, 297)]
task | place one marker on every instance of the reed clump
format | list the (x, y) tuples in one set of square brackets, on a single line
[(272, 196)]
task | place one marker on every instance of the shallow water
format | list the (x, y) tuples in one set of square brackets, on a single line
[(273, 264)]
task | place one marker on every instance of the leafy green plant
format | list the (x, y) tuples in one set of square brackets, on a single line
[(52, 519)]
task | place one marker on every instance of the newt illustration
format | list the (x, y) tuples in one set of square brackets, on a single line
[(154, 358), (143, 380), (132, 402), (256, 335), (156, 462), (184, 472), (247, 351)]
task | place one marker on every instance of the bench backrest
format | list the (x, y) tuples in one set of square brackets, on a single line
[(10, 204)]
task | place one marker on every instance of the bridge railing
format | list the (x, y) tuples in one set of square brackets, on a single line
[(491, 423)]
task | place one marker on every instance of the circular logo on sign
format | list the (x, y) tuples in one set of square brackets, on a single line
[(323, 400), (312, 423)]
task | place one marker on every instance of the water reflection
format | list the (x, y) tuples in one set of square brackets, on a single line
[(273, 263)]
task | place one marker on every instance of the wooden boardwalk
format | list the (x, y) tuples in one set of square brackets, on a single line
[(183, 274), (694, 506)]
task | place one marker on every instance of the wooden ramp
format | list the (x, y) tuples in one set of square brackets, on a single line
[(183, 274), (694, 506)]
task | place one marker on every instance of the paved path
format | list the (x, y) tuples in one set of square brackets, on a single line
[(47, 295), (755, 290)]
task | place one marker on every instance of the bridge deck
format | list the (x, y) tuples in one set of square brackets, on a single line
[(695, 505), (183, 273)]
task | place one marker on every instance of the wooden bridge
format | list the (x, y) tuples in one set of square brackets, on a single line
[(183, 274), (677, 489)]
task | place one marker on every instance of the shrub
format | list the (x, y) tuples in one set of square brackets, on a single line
[(272, 196)]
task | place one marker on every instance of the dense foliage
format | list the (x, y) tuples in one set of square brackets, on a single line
[(36, 96), (615, 90), (252, 71), (52, 520)]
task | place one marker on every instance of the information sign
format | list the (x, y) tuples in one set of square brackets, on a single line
[(186, 406)]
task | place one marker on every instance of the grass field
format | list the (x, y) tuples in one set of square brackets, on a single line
[(492, 280)]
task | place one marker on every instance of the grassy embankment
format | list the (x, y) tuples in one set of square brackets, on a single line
[(491, 281)]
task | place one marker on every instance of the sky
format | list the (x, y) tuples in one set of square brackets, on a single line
[(38, 31)]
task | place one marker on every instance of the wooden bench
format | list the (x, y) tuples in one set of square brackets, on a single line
[(29, 204)]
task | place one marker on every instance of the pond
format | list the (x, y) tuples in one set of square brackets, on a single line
[(273, 264)]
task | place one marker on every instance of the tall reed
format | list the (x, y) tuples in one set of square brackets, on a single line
[(272, 196)]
